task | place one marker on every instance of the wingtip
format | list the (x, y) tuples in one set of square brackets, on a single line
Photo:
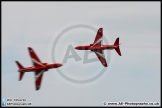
[(37, 88), (29, 48), (100, 28), (19, 79), (104, 64)]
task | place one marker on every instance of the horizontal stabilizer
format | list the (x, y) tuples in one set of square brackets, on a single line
[(20, 73), (19, 65), (118, 51)]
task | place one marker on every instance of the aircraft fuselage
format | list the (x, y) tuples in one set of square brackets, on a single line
[(90, 47), (46, 67)]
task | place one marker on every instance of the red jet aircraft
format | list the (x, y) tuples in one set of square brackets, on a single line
[(98, 48), (38, 67)]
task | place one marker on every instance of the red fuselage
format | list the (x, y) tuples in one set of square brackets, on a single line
[(90, 47), (45, 66)]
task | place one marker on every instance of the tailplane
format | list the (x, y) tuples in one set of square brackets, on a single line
[(118, 51), (117, 44), (20, 67)]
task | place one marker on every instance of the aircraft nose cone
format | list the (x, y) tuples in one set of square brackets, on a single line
[(78, 47), (60, 65)]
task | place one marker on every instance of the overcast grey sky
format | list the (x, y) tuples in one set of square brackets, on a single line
[(132, 77)]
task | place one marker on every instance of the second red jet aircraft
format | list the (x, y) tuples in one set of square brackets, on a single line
[(38, 68), (98, 48)]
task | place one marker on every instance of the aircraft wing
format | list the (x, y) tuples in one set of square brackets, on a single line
[(35, 60), (38, 78), (101, 57), (98, 39)]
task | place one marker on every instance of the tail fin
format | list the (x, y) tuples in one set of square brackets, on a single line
[(20, 67), (118, 51), (117, 41)]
